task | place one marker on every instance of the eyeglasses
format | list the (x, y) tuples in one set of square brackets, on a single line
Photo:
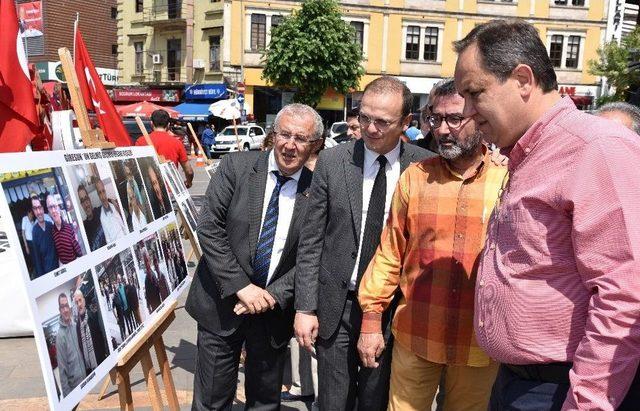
[(452, 120), (378, 123), (298, 139)]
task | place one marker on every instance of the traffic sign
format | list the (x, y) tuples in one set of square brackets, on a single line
[(240, 98)]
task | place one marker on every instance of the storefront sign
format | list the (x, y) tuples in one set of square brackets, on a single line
[(145, 94), (205, 92), (52, 70)]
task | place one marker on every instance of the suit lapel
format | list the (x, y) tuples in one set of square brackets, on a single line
[(353, 172), (405, 157), (257, 183), (300, 204)]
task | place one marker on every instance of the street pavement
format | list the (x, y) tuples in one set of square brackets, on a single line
[(23, 387)]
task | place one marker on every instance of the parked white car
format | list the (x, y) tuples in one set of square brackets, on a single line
[(250, 136)]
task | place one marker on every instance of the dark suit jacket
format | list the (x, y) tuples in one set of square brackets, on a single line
[(330, 238), (228, 230)]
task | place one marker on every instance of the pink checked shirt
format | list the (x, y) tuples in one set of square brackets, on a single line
[(559, 278)]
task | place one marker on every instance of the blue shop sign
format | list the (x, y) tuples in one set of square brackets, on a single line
[(205, 92)]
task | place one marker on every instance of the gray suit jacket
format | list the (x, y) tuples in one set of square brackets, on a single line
[(330, 238), (228, 230)]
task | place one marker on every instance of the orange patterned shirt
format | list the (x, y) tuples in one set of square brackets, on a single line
[(430, 248)]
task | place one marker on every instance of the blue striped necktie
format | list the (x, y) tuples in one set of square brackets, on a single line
[(268, 234)]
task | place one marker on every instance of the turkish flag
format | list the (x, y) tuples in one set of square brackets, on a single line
[(95, 96), (18, 117)]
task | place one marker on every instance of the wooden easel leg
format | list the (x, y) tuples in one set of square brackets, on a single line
[(152, 382), (167, 379), (124, 391), (111, 380)]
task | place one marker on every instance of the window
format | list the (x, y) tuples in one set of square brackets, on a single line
[(573, 52), (114, 12), (276, 20), (139, 5), (214, 53), (358, 26), (114, 49), (138, 47), (431, 43), (555, 50), (413, 43), (258, 31)]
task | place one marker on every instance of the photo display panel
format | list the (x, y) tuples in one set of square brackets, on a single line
[(180, 196), (99, 253)]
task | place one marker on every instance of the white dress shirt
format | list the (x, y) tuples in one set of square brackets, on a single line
[(112, 224), (371, 167), (286, 201)]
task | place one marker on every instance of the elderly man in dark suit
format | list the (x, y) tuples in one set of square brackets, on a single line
[(348, 204), (242, 291)]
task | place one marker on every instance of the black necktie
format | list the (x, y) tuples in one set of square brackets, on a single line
[(375, 219), (268, 234)]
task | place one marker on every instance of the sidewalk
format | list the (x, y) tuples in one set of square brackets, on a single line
[(23, 387)]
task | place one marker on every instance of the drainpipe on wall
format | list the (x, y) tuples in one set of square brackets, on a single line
[(189, 13)]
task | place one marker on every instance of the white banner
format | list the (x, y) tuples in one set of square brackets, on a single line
[(98, 251)]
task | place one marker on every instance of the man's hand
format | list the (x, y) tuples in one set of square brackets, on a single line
[(305, 327), (187, 183), (370, 347), (240, 308), (255, 299)]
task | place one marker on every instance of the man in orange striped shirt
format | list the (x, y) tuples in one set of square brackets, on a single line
[(430, 249)]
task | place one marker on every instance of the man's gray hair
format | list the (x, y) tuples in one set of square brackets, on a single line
[(631, 111), (444, 87), (301, 110)]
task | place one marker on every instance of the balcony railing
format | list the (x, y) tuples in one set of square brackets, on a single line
[(161, 75), (165, 12)]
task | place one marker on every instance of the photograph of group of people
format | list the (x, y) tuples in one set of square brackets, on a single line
[(120, 290), (45, 219), (74, 331), (136, 281)]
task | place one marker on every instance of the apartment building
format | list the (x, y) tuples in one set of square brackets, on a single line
[(47, 25), (173, 44)]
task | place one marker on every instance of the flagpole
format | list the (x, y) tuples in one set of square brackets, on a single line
[(75, 30)]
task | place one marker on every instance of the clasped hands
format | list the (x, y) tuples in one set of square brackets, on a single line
[(253, 300)]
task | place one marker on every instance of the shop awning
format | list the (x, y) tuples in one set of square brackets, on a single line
[(193, 111)]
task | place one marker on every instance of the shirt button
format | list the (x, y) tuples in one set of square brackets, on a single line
[(481, 283), (527, 150), (454, 290), (492, 246), (459, 236), (481, 323)]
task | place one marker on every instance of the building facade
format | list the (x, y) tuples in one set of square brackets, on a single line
[(177, 42), (48, 25)]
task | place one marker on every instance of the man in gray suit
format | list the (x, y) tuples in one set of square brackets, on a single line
[(350, 198), (242, 291)]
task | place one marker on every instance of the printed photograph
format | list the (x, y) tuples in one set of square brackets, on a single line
[(44, 218), (170, 179), (133, 196), (74, 331), (174, 253), (156, 189), (101, 210), (120, 289), (153, 272)]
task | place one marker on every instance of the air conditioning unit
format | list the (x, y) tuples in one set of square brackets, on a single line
[(157, 58), (198, 63)]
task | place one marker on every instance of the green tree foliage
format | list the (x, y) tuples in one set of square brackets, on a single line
[(313, 50), (613, 63)]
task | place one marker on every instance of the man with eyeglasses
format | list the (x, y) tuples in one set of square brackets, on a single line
[(429, 249), (242, 291), (92, 225), (350, 198), (44, 254)]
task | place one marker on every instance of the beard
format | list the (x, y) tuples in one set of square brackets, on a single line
[(460, 149)]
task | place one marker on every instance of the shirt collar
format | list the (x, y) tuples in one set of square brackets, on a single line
[(273, 166), (371, 156), (534, 134)]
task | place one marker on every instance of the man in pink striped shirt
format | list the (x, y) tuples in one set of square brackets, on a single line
[(558, 288)]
